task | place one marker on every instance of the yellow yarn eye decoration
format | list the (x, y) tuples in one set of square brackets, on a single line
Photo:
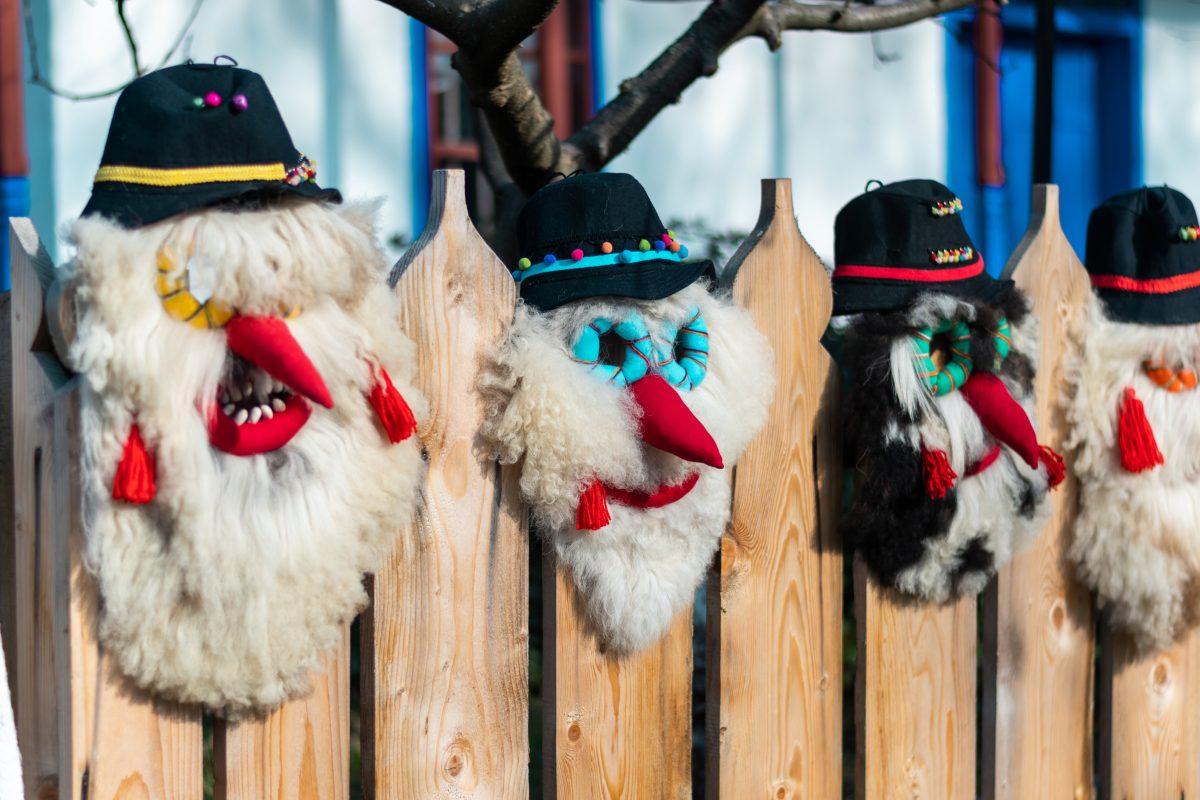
[(180, 303)]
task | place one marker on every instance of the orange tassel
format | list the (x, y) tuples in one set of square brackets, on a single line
[(397, 418), (939, 476), (1135, 437), (1056, 468), (134, 481), (592, 513)]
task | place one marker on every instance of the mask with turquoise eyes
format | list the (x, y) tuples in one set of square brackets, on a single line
[(623, 353)]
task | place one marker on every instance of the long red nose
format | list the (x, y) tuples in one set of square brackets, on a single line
[(668, 424), (1001, 415), (267, 343)]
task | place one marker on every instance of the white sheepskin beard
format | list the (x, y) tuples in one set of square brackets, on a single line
[(989, 504), (1137, 536), (227, 588), (639, 571)]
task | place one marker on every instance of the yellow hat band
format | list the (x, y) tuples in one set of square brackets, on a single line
[(189, 176)]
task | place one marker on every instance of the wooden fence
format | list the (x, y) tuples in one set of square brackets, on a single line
[(445, 705)]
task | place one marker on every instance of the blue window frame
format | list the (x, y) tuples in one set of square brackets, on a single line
[(1097, 127)]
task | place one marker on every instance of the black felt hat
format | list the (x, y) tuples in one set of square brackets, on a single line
[(594, 235), (1143, 254), (900, 240), (196, 135)]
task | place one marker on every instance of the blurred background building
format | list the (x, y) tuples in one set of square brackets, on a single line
[(372, 97)]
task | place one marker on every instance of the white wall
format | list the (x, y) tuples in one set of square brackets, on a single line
[(1170, 111), (845, 118), (338, 69)]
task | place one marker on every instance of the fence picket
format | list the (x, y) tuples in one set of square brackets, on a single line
[(775, 602), (300, 751), (1037, 708), (445, 659)]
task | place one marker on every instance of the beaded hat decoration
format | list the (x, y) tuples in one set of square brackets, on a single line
[(591, 235), (193, 136), (1143, 256), (899, 240)]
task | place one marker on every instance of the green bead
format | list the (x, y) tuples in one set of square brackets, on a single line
[(643, 245), (524, 263), (670, 233), (198, 102)]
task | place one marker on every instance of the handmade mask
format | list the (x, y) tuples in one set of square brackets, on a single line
[(1135, 416), (247, 426), (949, 480), (623, 390)]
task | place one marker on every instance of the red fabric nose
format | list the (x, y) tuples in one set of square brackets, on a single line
[(267, 343), (668, 424), (1002, 416)]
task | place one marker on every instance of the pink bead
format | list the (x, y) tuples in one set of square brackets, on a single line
[(577, 254), (212, 99), (239, 102), (666, 237)]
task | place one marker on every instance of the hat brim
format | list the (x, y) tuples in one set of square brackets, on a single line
[(853, 296), (643, 280), (1176, 308), (135, 205)]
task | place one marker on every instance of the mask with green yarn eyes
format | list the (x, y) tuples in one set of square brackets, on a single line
[(951, 339)]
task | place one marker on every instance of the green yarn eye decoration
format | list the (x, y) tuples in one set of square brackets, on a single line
[(957, 369)]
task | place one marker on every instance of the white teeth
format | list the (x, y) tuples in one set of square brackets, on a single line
[(241, 417), (266, 412), (278, 404), (228, 409), (235, 394), (256, 414)]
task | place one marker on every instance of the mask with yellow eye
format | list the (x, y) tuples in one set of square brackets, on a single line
[(186, 291)]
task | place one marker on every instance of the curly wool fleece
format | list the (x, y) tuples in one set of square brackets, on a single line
[(569, 427), (1137, 536), (935, 549), (229, 586)]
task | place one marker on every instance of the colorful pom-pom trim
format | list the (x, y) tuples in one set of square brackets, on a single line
[(666, 242), (212, 99), (1171, 380), (606, 248), (684, 362), (644, 245), (945, 208), (638, 350), (306, 170), (577, 254), (524, 263), (955, 255), (1189, 233)]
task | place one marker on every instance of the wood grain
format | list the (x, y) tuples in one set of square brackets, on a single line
[(446, 703), (1150, 729), (301, 751), (1038, 673), (915, 695), (774, 715), (613, 727)]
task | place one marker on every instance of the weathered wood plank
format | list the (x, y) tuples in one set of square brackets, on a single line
[(1038, 641), (445, 657), (34, 548), (915, 695), (1150, 731), (613, 727), (775, 605), (301, 751)]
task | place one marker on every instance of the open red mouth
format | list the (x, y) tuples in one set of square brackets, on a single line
[(261, 405)]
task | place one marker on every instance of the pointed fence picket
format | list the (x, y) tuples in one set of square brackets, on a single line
[(446, 701)]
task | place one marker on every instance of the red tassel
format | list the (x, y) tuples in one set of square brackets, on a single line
[(134, 481), (397, 418), (939, 476), (592, 513), (1139, 450), (1056, 468)]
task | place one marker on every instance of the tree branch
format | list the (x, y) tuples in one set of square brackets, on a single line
[(774, 18)]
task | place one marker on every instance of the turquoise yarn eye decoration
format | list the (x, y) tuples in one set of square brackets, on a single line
[(684, 363), (636, 350), (957, 369)]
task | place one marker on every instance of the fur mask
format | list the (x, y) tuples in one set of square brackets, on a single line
[(624, 480), (241, 469), (1135, 421), (948, 483)]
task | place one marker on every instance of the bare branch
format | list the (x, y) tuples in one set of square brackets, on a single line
[(794, 15), (38, 79), (490, 30)]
